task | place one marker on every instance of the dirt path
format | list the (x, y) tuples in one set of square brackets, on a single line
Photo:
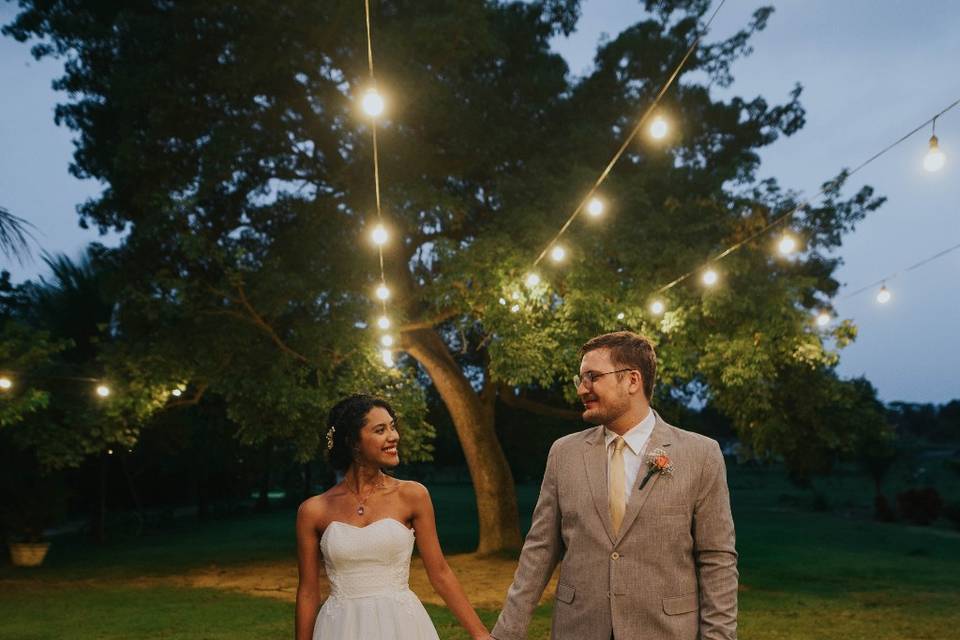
[(484, 578)]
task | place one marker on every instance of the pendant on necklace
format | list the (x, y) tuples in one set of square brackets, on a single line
[(360, 510)]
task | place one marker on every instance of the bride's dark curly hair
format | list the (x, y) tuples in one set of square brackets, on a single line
[(346, 419)]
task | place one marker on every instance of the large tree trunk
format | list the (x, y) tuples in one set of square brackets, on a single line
[(473, 419)]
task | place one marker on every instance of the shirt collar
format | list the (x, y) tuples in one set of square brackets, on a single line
[(636, 436)]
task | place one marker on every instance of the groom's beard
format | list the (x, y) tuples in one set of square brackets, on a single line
[(604, 412)]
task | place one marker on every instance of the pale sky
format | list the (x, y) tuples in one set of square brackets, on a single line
[(871, 72)]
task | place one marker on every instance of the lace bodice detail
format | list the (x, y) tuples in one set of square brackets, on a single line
[(367, 561)]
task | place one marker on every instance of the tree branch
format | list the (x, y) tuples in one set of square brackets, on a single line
[(264, 326), (192, 400), (524, 403), (429, 323)]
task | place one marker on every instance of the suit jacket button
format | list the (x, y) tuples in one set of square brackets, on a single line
[(615, 555)]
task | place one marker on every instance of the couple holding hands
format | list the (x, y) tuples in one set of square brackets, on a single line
[(635, 511)]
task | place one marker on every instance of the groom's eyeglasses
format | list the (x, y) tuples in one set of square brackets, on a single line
[(592, 376)]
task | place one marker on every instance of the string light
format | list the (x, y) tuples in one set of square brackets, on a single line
[(515, 295), (935, 158), (656, 307), (379, 235), (621, 315), (515, 308), (387, 356), (595, 207), (503, 301), (558, 253), (787, 244), (383, 322), (383, 292), (823, 189), (710, 277), (5, 383), (373, 103), (532, 280), (386, 340), (659, 128), (176, 393), (883, 297), (633, 132), (103, 390), (823, 319)]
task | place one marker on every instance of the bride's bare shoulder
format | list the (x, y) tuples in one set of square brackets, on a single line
[(412, 491), (314, 507)]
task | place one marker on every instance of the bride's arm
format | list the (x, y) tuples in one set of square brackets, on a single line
[(441, 575), (308, 558)]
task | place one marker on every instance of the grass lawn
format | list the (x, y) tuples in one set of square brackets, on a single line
[(805, 575)]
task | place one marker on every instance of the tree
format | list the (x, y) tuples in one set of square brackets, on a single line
[(235, 161), (14, 236)]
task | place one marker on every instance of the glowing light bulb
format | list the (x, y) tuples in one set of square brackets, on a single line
[(884, 296), (516, 295), (379, 235), (383, 292), (823, 319), (657, 307), (176, 393), (5, 383), (103, 390), (935, 158), (503, 301), (658, 128), (787, 245), (386, 341), (621, 315), (710, 277), (372, 103), (383, 322), (532, 280), (595, 207), (387, 356), (558, 253), (515, 308)]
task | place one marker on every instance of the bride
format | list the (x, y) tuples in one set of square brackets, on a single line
[(364, 529)]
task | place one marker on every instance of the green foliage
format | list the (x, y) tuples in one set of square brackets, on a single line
[(229, 141), (23, 350)]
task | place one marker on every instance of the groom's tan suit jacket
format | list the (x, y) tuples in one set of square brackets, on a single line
[(669, 574)]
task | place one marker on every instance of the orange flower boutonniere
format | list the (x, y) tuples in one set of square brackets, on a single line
[(657, 462)]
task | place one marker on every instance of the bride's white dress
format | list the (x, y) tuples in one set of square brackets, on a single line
[(370, 597)]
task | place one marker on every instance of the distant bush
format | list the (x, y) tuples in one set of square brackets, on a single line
[(952, 511), (882, 511), (920, 506)]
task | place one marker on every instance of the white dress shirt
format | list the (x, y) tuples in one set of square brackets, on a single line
[(636, 439)]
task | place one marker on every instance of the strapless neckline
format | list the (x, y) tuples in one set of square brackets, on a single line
[(366, 526)]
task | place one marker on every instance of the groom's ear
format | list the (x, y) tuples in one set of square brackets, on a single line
[(636, 381)]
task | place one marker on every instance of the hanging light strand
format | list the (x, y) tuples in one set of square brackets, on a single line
[(374, 108), (916, 265), (633, 134), (806, 202)]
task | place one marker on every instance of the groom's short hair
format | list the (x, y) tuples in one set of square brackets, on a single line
[(628, 349)]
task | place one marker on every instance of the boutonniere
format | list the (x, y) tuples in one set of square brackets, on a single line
[(657, 462)]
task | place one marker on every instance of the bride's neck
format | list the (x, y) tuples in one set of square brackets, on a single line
[(361, 476)]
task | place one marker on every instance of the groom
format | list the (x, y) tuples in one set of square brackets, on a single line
[(636, 512)]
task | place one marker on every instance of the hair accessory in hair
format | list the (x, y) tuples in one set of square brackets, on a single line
[(330, 433)]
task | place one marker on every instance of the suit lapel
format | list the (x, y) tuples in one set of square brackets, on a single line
[(660, 437), (595, 463)]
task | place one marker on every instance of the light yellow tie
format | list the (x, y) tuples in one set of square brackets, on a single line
[(618, 502)]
